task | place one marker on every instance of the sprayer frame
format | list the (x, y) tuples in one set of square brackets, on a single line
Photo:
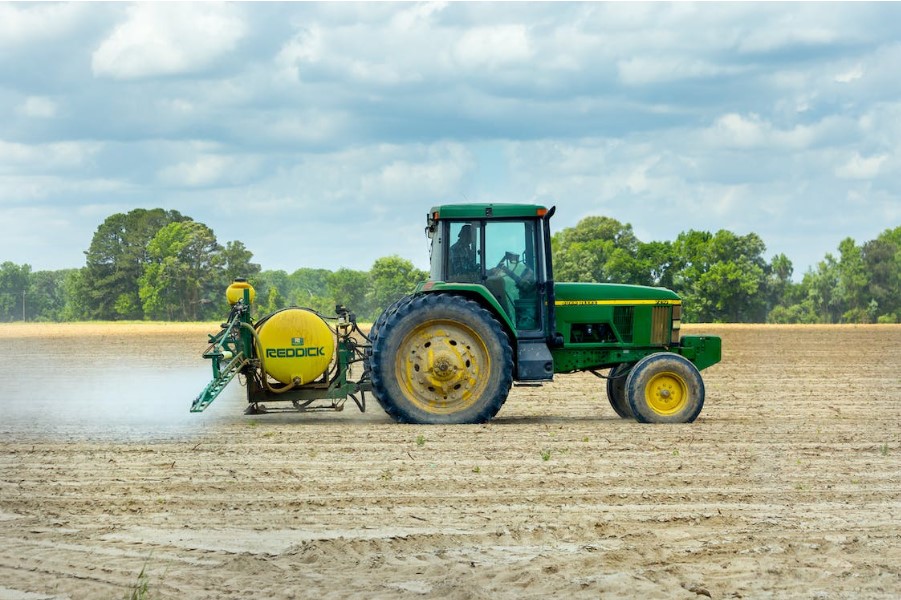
[(235, 343)]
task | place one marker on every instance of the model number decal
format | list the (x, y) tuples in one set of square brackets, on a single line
[(617, 302)]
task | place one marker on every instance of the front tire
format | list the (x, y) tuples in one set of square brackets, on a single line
[(665, 388), (441, 359), (616, 390)]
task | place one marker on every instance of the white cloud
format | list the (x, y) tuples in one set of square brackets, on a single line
[(346, 55), (209, 170), (307, 46), (754, 132), (43, 158), (168, 39), (416, 16), (38, 107), (672, 116), (850, 75), (787, 30), (655, 69), (859, 167), (303, 127), (412, 179), (18, 188), (25, 23), (493, 47)]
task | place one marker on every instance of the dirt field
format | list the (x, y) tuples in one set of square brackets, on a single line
[(788, 486)]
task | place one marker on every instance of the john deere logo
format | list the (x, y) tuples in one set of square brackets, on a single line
[(294, 352), (297, 341)]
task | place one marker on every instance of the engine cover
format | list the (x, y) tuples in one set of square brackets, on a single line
[(297, 345)]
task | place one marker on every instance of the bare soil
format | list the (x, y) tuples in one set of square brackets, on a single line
[(787, 486)]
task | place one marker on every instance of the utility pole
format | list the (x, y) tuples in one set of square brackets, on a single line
[(23, 304)]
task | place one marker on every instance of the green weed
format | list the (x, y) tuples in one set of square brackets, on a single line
[(420, 440), (141, 589), (546, 454)]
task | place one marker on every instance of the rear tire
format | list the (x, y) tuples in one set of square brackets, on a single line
[(374, 331), (441, 359), (616, 390), (665, 388), (392, 308)]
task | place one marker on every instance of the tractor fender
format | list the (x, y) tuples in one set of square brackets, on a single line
[(476, 292)]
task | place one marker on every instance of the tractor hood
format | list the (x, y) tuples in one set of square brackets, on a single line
[(574, 294)]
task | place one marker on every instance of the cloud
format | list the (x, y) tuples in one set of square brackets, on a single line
[(752, 131), (493, 47), (419, 174), (38, 107), (301, 115), (161, 39), (210, 170), (46, 158), (53, 189), (858, 167), (23, 23), (661, 69), (856, 72), (307, 46)]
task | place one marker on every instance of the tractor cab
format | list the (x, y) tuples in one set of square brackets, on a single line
[(504, 249), (500, 256)]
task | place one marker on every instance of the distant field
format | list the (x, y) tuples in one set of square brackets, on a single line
[(20, 329)]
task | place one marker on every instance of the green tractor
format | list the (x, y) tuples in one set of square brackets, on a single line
[(489, 316)]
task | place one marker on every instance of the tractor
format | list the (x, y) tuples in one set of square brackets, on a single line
[(489, 317)]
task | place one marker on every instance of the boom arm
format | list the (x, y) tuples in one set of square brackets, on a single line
[(230, 346)]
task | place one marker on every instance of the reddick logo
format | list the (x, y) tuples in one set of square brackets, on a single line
[(295, 352)]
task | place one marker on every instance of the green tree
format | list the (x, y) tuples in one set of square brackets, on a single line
[(14, 284), (853, 282), (274, 301), (309, 287), (76, 296), (721, 276), (267, 281), (349, 287), (787, 300), (862, 285), (598, 249), (116, 260), (236, 262), (822, 287), (46, 298), (180, 282), (658, 262), (392, 278), (882, 260)]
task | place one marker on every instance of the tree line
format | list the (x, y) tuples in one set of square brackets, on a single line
[(161, 265), (725, 277)]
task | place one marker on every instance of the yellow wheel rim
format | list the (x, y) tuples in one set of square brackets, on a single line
[(442, 366), (666, 393)]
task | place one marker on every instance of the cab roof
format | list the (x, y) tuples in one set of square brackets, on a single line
[(483, 211)]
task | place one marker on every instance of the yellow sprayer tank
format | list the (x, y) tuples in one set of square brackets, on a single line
[(235, 291), (296, 345)]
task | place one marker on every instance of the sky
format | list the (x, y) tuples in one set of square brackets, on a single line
[(320, 134)]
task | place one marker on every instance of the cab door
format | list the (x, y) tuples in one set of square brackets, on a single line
[(514, 271)]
